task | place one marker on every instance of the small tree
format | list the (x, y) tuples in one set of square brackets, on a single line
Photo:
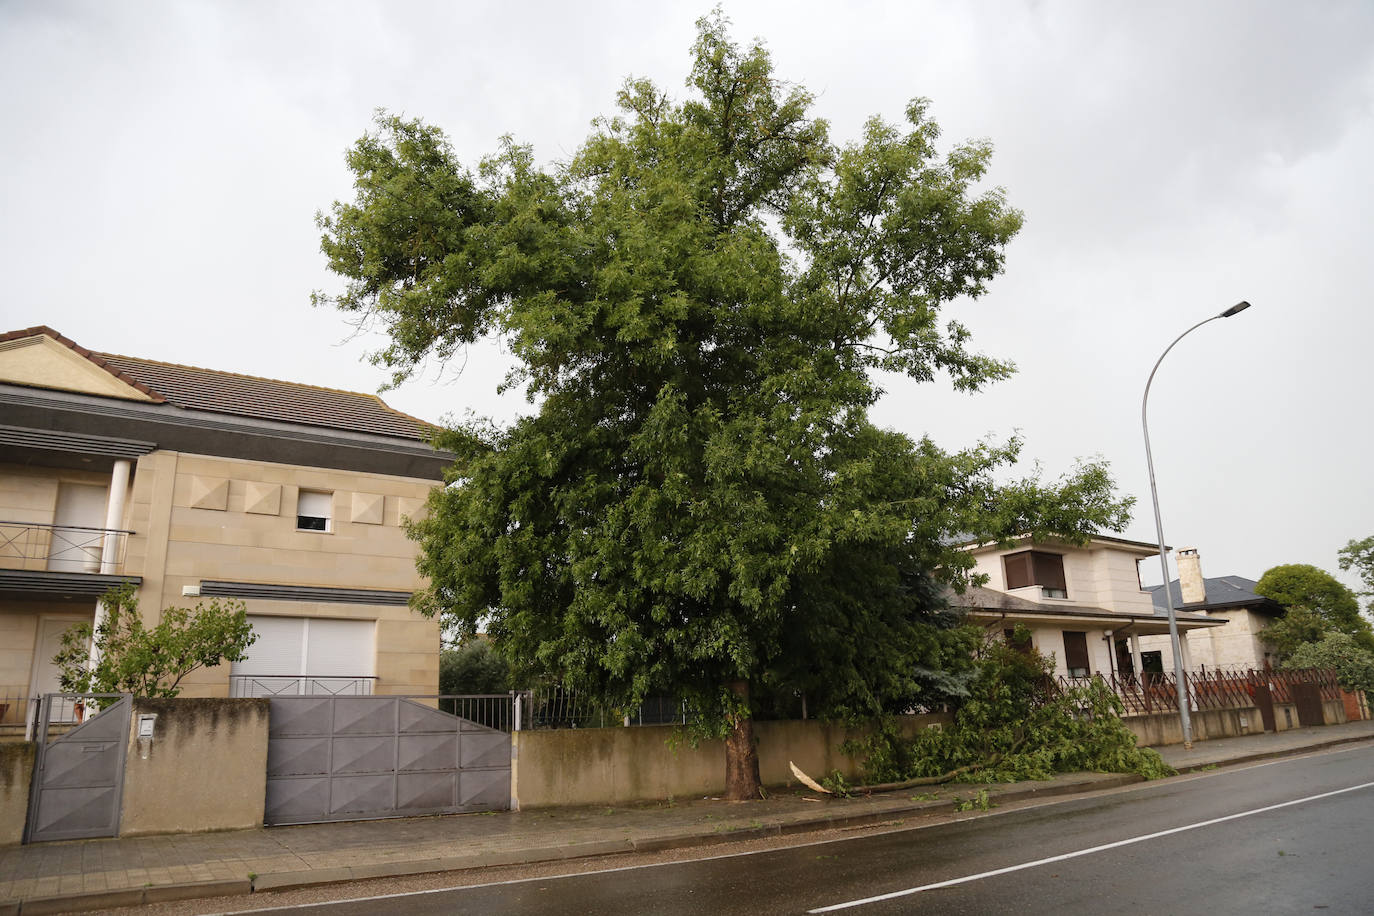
[(1353, 665), (151, 662)]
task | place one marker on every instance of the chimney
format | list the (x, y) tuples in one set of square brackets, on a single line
[(1190, 576)]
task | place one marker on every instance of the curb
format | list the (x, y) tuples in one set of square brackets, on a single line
[(136, 896), (1269, 755), (279, 881)]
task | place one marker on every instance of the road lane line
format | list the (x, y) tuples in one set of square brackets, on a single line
[(966, 879)]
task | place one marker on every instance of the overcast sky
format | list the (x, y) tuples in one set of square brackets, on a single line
[(162, 164)]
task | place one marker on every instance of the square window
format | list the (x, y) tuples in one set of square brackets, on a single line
[(314, 510)]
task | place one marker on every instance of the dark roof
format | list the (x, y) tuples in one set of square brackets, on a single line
[(1224, 591), (247, 396)]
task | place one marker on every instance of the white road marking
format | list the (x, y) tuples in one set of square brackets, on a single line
[(1082, 852)]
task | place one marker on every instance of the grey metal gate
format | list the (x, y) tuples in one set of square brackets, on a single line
[(78, 779), (352, 758)]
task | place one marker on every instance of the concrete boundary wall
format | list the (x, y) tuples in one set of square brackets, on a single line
[(604, 766), (205, 767), (16, 772), (1162, 728)]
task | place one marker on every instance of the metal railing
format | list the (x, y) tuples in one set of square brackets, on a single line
[(494, 710), (1210, 689), (286, 685), (60, 548), (562, 707), (19, 713)]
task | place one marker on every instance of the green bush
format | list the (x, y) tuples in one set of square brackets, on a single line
[(1014, 725)]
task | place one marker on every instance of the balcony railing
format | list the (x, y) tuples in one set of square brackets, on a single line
[(61, 548), (286, 685)]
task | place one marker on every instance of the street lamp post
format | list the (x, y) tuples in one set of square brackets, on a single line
[(1184, 714)]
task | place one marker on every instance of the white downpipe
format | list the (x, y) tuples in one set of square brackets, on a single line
[(109, 548)]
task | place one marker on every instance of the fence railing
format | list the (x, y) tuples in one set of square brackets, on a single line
[(286, 685), (561, 707), (61, 548), (19, 713), (1211, 689)]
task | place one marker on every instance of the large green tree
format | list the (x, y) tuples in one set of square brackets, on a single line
[(699, 301), (1300, 585), (1359, 556)]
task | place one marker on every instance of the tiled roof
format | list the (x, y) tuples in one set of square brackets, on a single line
[(75, 347), (1223, 591), (267, 399), (245, 395)]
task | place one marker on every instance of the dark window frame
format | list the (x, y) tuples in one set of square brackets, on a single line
[(1077, 661), (1036, 567)]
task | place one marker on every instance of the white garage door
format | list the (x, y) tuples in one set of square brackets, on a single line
[(296, 656)]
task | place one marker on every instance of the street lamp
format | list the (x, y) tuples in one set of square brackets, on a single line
[(1184, 715)]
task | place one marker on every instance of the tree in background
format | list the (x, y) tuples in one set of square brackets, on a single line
[(1359, 556), (1354, 665), (699, 301), (1301, 585), (474, 667), (151, 662), (1298, 626)]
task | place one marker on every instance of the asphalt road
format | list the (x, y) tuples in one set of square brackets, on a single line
[(1284, 837)]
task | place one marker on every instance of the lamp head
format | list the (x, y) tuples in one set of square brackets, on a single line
[(1235, 309)]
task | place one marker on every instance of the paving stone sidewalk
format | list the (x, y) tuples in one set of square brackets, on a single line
[(87, 874)]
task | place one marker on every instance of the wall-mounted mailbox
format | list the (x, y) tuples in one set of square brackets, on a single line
[(145, 725)]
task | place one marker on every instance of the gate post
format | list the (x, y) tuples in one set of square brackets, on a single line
[(515, 701)]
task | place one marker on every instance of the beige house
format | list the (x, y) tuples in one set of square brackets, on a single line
[(1084, 606), (1237, 643), (192, 483)]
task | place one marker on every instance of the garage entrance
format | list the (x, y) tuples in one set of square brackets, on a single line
[(344, 758)]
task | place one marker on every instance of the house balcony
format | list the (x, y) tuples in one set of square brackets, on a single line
[(45, 561), (287, 685)]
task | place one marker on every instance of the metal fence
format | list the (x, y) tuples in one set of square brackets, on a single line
[(560, 707), (286, 685), (1209, 689), (64, 548), (19, 714)]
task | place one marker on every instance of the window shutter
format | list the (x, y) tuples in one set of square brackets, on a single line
[(1076, 652), (340, 648), (1049, 571), (1018, 569), (278, 650)]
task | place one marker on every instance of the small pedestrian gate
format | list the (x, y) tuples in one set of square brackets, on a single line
[(353, 758), (78, 780)]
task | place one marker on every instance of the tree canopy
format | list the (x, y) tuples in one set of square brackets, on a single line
[(1299, 585), (1359, 556), (700, 300)]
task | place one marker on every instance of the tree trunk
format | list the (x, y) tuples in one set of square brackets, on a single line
[(741, 756)]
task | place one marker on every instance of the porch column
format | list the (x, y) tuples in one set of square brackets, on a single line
[(1184, 652), (109, 548), (1135, 655)]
